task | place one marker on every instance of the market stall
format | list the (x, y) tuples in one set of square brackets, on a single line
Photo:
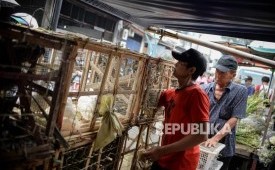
[(60, 92)]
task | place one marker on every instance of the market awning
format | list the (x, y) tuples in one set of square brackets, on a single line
[(250, 19), (267, 53)]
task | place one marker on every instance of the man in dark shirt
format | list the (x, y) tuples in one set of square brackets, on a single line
[(227, 105)]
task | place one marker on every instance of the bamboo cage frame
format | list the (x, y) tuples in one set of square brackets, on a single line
[(68, 46)]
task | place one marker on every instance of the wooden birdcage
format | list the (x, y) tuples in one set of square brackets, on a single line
[(51, 87)]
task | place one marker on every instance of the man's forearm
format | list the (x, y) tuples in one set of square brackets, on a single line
[(188, 141), (226, 129), (183, 144)]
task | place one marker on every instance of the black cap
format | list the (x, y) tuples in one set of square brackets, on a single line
[(227, 63), (194, 59)]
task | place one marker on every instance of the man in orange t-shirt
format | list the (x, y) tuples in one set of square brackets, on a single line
[(186, 117)]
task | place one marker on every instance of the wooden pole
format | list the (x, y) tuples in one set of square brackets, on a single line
[(85, 71), (117, 71), (61, 89), (170, 73), (102, 87), (147, 135), (89, 156), (140, 86), (96, 54), (212, 45), (268, 119), (132, 98), (160, 86), (134, 160), (120, 150), (123, 150)]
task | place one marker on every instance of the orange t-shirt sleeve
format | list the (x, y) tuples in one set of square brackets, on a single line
[(200, 107)]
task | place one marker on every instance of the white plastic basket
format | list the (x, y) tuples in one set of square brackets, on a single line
[(208, 157), (216, 165)]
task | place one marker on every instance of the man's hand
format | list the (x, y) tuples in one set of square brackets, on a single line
[(211, 142), (151, 154)]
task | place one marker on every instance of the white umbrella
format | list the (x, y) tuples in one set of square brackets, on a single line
[(9, 3)]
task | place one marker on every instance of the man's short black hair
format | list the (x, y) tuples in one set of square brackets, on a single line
[(265, 79), (248, 78), (193, 58)]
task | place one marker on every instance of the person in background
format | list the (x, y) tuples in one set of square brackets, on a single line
[(185, 106), (76, 78), (228, 104), (202, 79), (263, 89), (248, 84), (210, 78)]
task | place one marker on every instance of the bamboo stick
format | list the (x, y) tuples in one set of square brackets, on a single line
[(135, 87), (119, 151), (53, 57), (102, 87), (134, 160), (85, 71), (31, 38), (170, 74), (41, 90), (160, 87), (268, 119), (123, 149), (92, 78), (61, 88), (25, 76), (79, 143), (147, 135), (117, 71), (97, 70), (89, 157), (138, 98), (96, 92), (212, 45), (108, 82), (56, 157), (122, 80), (98, 159), (103, 48), (140, 101), (40, 108), (61, 160), (46, 164)]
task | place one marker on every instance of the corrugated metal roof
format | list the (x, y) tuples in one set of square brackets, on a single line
[(251, 19)]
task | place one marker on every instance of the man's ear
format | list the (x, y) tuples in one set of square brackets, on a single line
[(233, 74), (192, 70)]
